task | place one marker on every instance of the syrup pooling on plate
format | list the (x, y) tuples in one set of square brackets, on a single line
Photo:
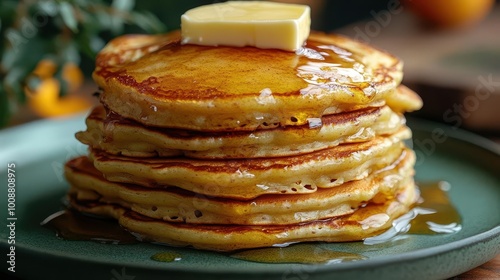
[(309, 253), (71, 225), (434, 214), (168, 256), (444, 217)]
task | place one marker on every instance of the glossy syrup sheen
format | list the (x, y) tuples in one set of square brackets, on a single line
[(71, 225), (445, 218), (167, 256), (309, 253), (185, 86), (170, 71), (435, 214)]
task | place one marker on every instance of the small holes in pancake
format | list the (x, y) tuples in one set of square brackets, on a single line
[(154, 208), (309, 187), (198, 213), (174, 217), (268, 125), (294, 119), (294, 189), (333, 180), (283, 191)]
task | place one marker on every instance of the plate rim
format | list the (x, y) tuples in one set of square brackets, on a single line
[(493, 233)]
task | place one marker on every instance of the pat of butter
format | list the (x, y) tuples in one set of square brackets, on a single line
[(264, 25)]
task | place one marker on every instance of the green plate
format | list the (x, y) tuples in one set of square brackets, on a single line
[(39, 150)]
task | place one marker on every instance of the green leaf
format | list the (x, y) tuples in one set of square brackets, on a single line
[(147, 21), (86, 3), (64, 86), (68, 16), (33, 82), (96, 43), (117, 22), (22, 62), (8, 12), (103, 19), (120, 11), (123, 5), (26, 54), (4, 108), (88, 41), (9, 58), (83, 42), (17, 42), (13, 82), (70, 53), (47, 7)]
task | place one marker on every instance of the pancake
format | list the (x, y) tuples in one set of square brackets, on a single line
[(176, 205), (405, 100), (226, 148), (157, 81), (367, 221), (116, 135), (248, 178)]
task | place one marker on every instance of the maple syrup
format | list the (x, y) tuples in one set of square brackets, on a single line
[(434, 214), (72, 225), (445, 217), (167, 256), (306, 253)]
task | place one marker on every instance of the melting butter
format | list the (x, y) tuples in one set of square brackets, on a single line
[(259, 24)]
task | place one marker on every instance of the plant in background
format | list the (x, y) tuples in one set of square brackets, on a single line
[(45, 43)]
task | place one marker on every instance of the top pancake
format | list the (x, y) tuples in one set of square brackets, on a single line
[(157, 81)]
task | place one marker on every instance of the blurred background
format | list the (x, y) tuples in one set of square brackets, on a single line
[(451, 50)]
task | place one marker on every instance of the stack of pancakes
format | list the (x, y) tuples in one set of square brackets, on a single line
[(225, 148)]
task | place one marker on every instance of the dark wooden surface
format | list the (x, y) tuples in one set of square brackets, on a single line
[(489, 270)]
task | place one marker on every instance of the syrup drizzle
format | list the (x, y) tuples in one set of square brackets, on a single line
[(434, 214), (72, 225), (299, 253), (444, 219)]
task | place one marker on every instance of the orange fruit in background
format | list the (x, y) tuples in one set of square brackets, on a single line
[(45, 69), (73, 76), (45, 100), (450, 13)]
